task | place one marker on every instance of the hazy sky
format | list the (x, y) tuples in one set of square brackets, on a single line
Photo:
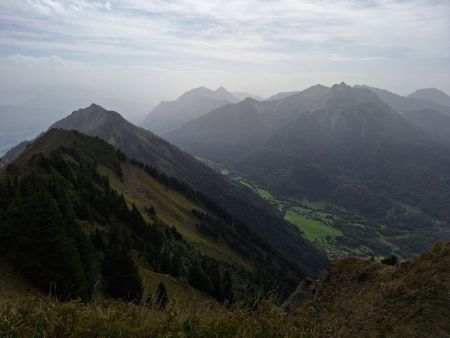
[(130, 54)]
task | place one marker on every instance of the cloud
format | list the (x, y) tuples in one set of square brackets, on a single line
[(249, 28), (338, 58), (131, 47)]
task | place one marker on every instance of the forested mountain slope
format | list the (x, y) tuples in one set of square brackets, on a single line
[(75, 213), (145, 147)]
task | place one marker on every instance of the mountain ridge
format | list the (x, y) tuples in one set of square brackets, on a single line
[(169, 115), (149, 149), (343, 145)]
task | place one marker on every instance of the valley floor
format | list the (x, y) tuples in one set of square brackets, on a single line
[(340, 232)]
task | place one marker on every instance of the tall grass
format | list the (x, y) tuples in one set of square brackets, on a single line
[(46, 318)]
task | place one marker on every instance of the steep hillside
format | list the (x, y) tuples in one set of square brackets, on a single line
[(352, 134), (145, 147), (436, 124), (14, 152), (66, 226), (286, 175), (225, 133), (191, 105), (359, 298)]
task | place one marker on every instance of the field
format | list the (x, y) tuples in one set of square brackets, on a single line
[(313, 229)]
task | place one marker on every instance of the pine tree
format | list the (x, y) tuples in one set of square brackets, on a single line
[(122, 276), (162, 299), (198, 279), (175, 269), (391, 260), (119, 270), (216, 279), (228, 292)]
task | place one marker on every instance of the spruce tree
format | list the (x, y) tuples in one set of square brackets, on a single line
[(162, 299)]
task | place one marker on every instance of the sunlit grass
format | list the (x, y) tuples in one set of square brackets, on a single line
[(313, 229)]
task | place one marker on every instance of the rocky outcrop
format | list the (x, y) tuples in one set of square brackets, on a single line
[(307, 290)]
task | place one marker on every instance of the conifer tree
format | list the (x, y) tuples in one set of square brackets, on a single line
[(162, 299)]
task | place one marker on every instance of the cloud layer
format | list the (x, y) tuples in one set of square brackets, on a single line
[(287, 44)]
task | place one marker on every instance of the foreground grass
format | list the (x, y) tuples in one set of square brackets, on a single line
[(38, 318), (357, 298)]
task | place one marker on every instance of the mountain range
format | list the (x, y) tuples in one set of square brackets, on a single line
[(350, 146), (96, 210), (169, 115)]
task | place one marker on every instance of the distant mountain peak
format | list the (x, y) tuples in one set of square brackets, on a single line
[(414, 101), (249, 100), (90, 118), (343, 88), (94, 109), (95, 106), (432, 94), (221, 89), (429, 90), (341, 85), (319, 85)]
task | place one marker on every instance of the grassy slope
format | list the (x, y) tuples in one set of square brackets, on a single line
[(141, 189), (12, 286), (364, 298), (358, 298), (171, 207)]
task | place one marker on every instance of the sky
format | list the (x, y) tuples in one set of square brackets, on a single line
[(128, 55)]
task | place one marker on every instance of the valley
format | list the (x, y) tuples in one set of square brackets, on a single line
[(337, 231)]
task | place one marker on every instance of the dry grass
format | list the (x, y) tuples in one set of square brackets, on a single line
[(51, 319), (367, 299), (358, 298)]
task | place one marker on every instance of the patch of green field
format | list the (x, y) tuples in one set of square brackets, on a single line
[(265, 194), (314, 204), (313, 229), (245, 183)]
